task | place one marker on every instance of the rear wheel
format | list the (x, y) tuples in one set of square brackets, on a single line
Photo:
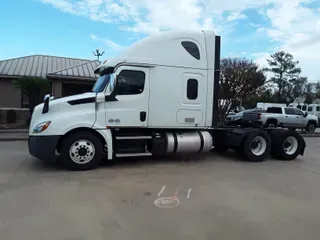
[(255, 146), (81, 151), (271, 123), (286, 144)]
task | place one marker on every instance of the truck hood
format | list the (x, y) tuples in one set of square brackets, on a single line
[(80, 106), (64, 100), (312, 117), (71, 98)]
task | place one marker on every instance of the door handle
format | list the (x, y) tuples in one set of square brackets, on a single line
[(143, 116)]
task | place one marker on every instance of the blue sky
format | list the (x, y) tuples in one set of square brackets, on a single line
[(74, 28)]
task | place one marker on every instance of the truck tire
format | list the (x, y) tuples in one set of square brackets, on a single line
[(81, 150), (286, 144), (311, 126), (272, 123), (255, 146)]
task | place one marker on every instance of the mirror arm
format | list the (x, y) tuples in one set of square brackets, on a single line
[(111, 97)]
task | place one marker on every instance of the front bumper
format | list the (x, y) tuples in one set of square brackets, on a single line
[(43, 147)]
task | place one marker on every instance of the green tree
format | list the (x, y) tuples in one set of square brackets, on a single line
[(309, 92), (265, 94), (317, 90), (33, 88), (285, 72), (239, 79), (299, 86)]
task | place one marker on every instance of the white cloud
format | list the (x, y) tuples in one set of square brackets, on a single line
[(149, 16), (63, 5), (291, 25), (107, 42), (236, 16), (260, 29), (296, 28)]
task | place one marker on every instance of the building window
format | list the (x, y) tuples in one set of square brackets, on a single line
[(192, 49), (192, 89), (130, 82)]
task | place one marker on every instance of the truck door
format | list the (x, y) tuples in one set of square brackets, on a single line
[(294, 117), (300, 120), (129, 108)]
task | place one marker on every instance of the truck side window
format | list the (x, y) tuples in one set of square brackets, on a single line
[(192, 49), (192, 89), (318, 109), (289, 111), (130, 82), (293, 111), (274, 110), (297, 112), (304, 108)]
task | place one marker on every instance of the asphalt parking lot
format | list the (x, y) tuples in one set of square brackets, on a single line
[(195, 197)]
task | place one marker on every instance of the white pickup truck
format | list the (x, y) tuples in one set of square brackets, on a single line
[(287, 117)]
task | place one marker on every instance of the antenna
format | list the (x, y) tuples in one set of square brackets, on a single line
[(97, 53)]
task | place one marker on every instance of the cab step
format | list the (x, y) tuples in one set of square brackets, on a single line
[(133, 137), (144, 154)]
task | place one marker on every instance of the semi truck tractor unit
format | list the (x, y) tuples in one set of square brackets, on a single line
[(158, 97)]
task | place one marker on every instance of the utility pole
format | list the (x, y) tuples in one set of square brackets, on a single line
[(98, 54)]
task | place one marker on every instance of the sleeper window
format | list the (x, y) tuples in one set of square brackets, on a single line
[(192, 89), (192, 49)]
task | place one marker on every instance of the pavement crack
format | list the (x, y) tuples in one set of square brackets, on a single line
[(13, 175)]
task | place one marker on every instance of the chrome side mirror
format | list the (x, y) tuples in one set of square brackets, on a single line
[(113, 82), (100, 97)]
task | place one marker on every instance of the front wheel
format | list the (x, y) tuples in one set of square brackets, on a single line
[(311, 127), (81, 151)]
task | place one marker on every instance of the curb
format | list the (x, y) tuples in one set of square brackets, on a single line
[(13, 131), (310, 135), (12, 139)]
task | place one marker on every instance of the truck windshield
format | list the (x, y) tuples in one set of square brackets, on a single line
[(101, 83)]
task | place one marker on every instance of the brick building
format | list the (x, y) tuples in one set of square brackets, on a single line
[(67, 76)]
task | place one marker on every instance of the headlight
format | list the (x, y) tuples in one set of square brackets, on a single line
[(41, 127)]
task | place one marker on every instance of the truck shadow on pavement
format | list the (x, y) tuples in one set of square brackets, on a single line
[(129, 162)]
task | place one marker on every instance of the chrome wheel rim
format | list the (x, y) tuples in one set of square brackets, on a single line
[(290, 145), (258, 145), (82, 151)]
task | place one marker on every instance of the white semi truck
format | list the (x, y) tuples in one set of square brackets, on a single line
[(159, 97)]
